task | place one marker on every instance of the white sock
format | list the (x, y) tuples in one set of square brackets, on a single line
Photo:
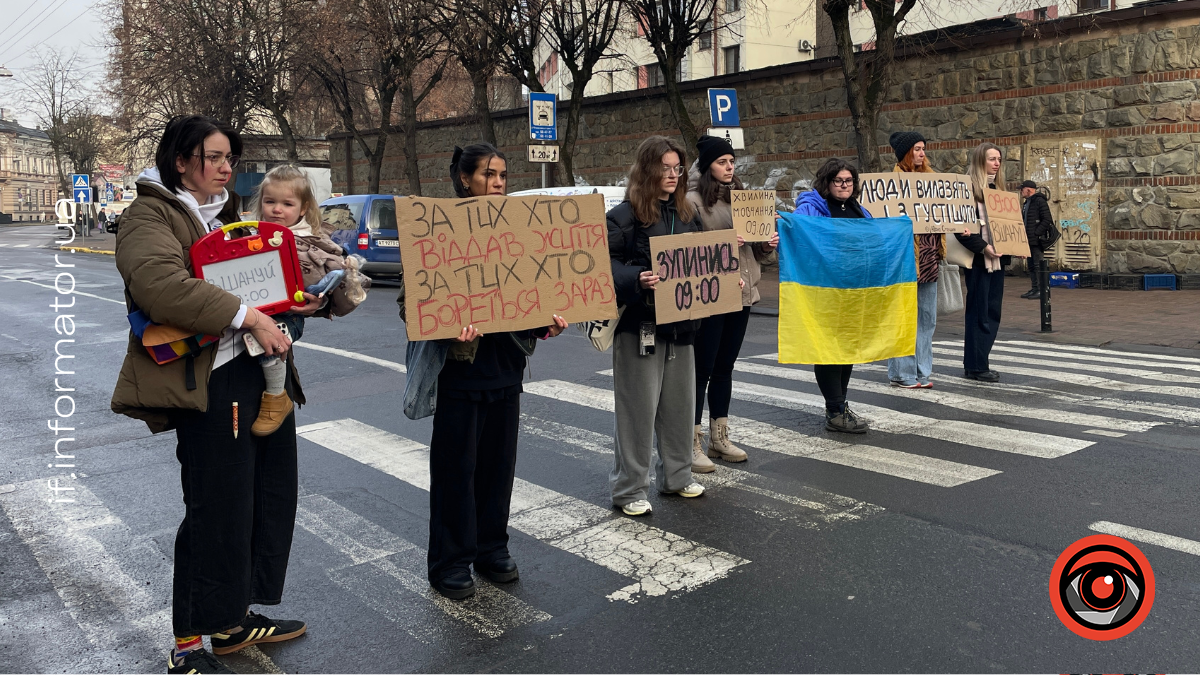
[(275, 371)]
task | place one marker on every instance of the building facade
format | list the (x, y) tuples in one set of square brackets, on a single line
[(28, 175)]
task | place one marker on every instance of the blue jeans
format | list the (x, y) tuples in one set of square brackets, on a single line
[(917, 368)]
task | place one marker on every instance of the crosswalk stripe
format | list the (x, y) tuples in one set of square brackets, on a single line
[(1146, 536), (918, 468), (828, 507), (1003, 357), (20, 245), (1082, 357), (1098, 350), (962, 402), (1016, 441), (76, 544), (391, 365), (1086, 380), (658, 561), (386, 572)]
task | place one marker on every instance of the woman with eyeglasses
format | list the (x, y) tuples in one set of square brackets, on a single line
[(239, 490), (835, 195), (654, 376)]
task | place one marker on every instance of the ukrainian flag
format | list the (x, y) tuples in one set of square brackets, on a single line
[(847, 289)]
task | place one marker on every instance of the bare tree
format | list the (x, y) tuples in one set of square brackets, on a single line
[(476, 48), (867, 73), (423, 62), (54, 95), (671, 27), (581, 32)]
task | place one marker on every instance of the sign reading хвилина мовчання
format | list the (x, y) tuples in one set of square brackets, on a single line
[(503, 263), (935, 202)]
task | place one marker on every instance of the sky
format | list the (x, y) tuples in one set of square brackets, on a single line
[(28, 25)]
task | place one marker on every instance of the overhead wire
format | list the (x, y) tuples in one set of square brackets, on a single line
[(14, 21), (31, 48), (28, 32)]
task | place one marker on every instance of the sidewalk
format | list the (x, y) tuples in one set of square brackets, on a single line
[(97, 241), (1079, 315)]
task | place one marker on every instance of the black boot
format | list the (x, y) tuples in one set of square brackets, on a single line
[(1032, 294)]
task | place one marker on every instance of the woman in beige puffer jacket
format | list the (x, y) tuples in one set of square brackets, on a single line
[(720, 336)]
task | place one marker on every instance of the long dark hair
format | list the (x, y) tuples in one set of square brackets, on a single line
[(829, 170), (466, 162), (645, 179), (710, 189), (184, 133)]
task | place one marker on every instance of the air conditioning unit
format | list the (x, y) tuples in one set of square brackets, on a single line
[(806, 46)]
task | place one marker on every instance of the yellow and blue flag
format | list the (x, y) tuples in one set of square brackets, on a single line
[(847, 289)]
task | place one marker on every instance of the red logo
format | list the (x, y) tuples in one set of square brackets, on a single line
[(1102, 587)]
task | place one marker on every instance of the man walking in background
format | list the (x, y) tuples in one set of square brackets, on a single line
[(1038, 223)]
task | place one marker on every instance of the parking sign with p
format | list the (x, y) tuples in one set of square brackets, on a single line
[(722, 106)]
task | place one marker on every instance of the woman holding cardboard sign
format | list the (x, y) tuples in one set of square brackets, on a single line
[(239, 490), (654, 375), (719, 339), (985, 278), (912, 372), (474, 382)]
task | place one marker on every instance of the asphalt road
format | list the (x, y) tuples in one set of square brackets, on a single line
[(925, 545)]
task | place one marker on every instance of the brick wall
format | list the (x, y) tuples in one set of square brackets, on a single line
[(1124, 83)]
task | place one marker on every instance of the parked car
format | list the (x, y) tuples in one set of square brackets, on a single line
[(366, 225), (613, 194)]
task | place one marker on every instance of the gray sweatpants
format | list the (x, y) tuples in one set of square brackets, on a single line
[(655, 395)]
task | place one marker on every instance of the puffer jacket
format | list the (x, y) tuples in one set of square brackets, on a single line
[(320, 256), (629, 248), (1037, 217), (157, 232), (751, 255), (811, 203)]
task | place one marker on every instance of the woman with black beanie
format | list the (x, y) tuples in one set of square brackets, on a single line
[(719, 339)]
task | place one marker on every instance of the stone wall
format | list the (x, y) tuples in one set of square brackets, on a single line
[(1123, 84)]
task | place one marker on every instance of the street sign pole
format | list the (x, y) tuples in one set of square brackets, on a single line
[(543, 175)]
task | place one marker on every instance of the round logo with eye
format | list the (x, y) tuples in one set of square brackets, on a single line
[(1102, 587)]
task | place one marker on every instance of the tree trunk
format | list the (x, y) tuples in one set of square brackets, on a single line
[(289, 138), (412, 169), (678, 107), (486, 129), (574, 112)]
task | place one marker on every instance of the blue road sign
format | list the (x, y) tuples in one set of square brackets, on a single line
[(82, 195), (722, 106), (79, 180), (543, 116)]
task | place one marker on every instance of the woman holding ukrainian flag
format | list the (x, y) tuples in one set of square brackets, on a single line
[(847, 287)]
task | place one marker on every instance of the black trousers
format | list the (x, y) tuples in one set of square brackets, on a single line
[(1034, 263), (239, 496), (985, 296), (717, 345), (472, 462), (834, 382)]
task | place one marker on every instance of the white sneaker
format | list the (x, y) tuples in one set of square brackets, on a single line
[(641, 507), (693, 490)]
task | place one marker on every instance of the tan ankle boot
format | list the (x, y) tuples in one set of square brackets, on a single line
[(271, 413), (700, 463), (719, 444)]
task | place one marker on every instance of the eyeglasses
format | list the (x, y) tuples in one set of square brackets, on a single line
[(216, 159), (842, 182), (673, 170)]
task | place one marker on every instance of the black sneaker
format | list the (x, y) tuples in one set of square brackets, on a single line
[(845, 422), (196, 661), (1031, 294), (983, 375), (257, 628)]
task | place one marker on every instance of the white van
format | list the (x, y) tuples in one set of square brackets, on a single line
[(613, 194)]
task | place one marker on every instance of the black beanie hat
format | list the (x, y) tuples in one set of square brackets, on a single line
[(710, 148), (903, 141)]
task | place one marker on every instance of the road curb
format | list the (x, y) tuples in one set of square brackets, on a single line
[(85, 249)]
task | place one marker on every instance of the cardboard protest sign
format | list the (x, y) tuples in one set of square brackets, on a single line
[(1006, 223), (753, 213), (698, 275), (935, 202), (503, 263)]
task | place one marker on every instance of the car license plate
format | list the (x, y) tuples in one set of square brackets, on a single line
[(394, 243)]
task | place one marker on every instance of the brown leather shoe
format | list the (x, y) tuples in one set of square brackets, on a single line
[(271, 413)]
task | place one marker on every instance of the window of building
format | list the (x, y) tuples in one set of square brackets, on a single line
[(1092, 5), (733, 5), (706, 36), (654, 76), (733, 59)]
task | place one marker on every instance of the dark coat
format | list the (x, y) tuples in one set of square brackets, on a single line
[(1037, 217), (629, 247)]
